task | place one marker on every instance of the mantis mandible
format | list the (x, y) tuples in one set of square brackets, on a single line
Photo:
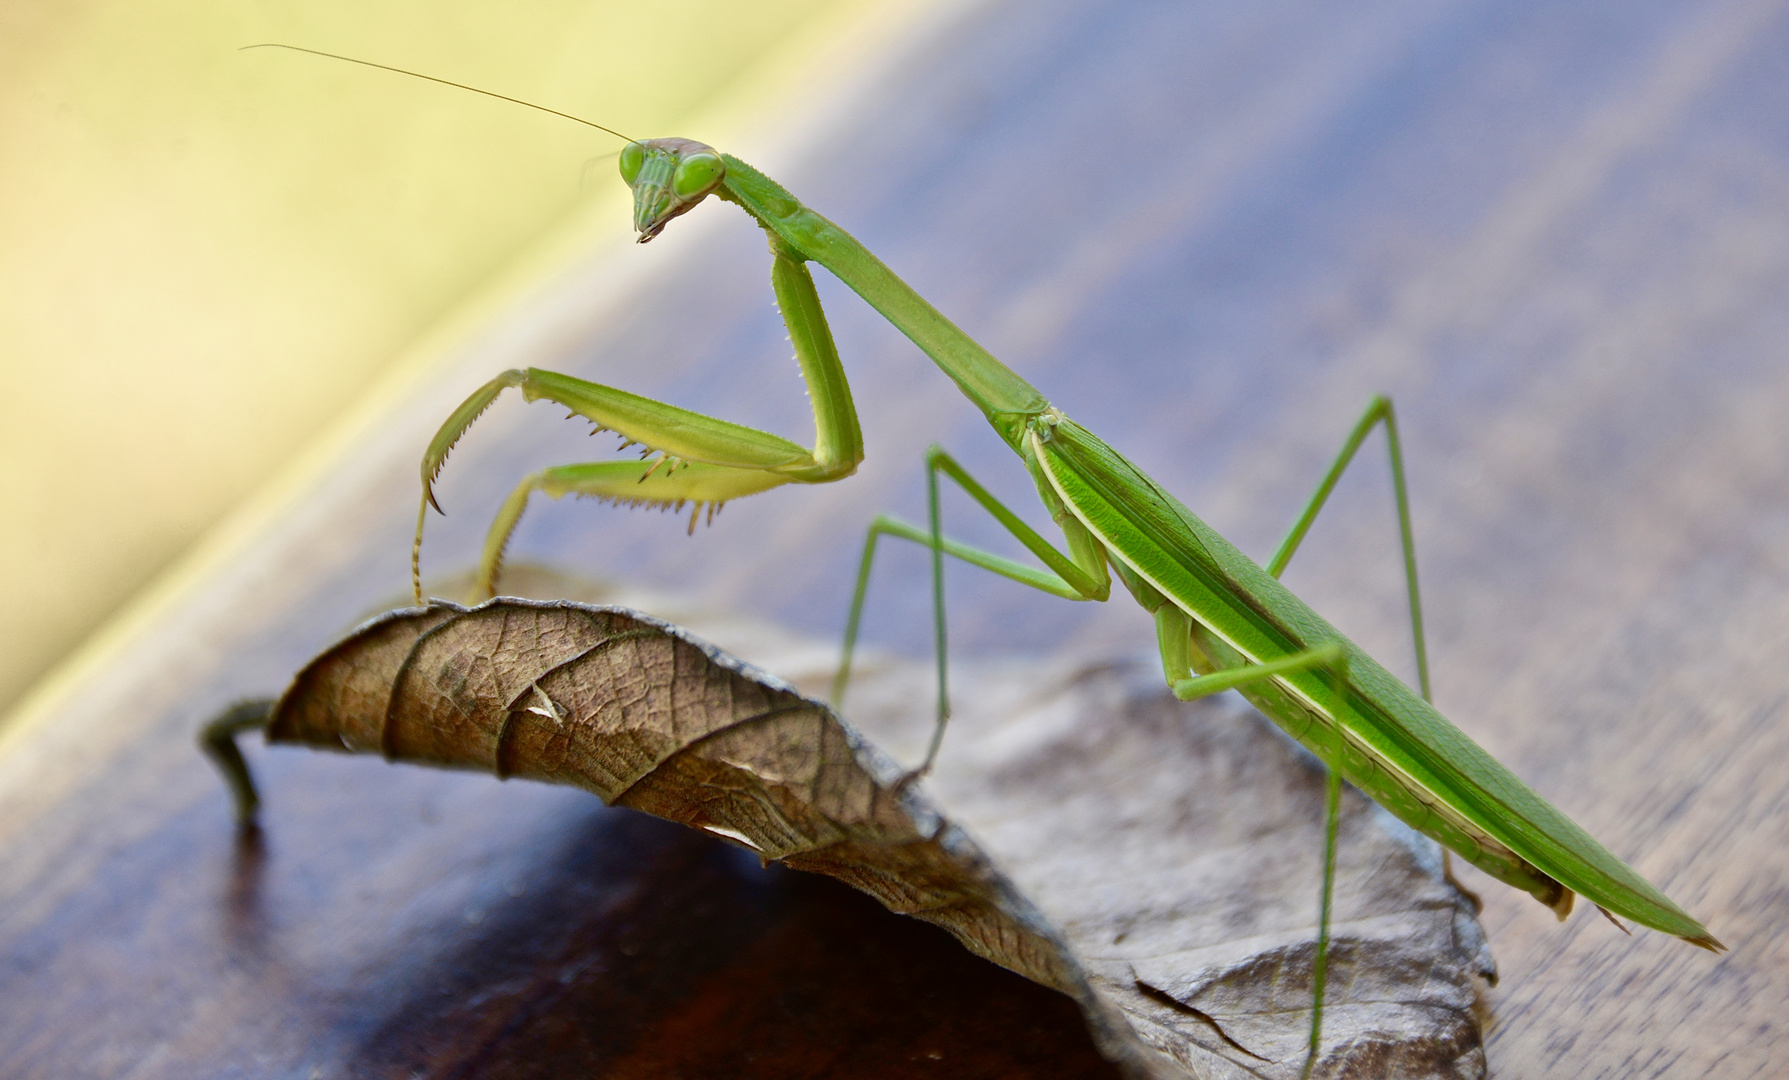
[(1222, 621)]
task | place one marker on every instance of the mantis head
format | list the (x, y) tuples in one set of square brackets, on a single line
[(669, 177)]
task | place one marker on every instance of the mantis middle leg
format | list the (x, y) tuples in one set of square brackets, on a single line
[(1174, 627), (1078, 574)]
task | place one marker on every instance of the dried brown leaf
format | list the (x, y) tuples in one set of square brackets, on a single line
[(1158, 867)]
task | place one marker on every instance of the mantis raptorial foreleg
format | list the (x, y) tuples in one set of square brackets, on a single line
[(664, 482), (700, 459)]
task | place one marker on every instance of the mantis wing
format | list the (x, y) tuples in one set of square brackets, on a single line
[(1365, 724)]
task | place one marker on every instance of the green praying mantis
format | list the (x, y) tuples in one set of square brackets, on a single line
[(1221, 621)]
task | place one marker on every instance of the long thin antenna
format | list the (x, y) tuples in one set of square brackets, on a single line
[(443, 82)]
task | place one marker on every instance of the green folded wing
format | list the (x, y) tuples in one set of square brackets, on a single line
[(1259, 618)]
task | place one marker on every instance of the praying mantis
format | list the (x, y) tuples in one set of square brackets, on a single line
[(1221, 621)]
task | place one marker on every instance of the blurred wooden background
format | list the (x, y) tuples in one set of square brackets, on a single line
[(1557, 235)]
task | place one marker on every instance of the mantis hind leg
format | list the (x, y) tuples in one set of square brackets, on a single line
[(1174, 632), (1332, 808), (1378, 411)]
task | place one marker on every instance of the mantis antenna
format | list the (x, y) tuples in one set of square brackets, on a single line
[(443, 82)]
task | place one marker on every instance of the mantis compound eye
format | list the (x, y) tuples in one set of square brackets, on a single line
[(633, 155), (697, 175)]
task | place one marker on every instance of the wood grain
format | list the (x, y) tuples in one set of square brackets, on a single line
[(1557, 235)]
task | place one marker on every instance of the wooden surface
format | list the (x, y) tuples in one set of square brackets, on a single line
[(1557, 235)]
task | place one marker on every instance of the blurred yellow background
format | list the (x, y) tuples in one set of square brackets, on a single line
[(205, 253)]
